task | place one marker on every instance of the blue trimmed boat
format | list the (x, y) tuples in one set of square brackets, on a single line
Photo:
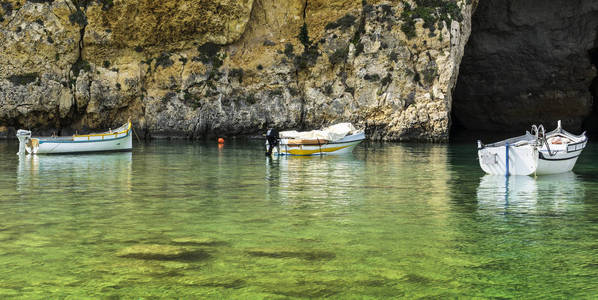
[(538, 152)]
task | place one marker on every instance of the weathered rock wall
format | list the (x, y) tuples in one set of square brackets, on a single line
[(197, 68), (528, 62)]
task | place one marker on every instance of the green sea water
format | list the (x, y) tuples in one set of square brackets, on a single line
[(193, 221)]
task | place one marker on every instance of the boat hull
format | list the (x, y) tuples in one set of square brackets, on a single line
[(343, 146), (561, 160), (522, 160), (122, 143), (547, 167)]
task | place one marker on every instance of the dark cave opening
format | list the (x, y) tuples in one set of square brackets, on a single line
[(526, 63), (591, 123), (457, 129)]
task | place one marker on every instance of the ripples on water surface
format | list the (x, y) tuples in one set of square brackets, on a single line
[(189, 220)]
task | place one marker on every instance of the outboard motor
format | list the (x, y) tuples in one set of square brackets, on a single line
[(273, 139), (23, 136)]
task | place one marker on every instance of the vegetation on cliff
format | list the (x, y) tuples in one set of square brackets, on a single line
[(435, 13)]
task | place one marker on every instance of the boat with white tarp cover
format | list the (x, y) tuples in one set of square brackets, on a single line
[(118, 139), (336, 139), (535, 152)]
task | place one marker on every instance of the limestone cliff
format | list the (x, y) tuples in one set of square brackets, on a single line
[(197, 68)]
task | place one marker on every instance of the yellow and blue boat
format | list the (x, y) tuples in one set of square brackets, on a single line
[(336, 139)]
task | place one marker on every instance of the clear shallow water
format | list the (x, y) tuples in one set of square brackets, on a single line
[(190, 220)]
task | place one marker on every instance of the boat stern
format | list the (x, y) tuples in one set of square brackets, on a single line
[(508, 159)]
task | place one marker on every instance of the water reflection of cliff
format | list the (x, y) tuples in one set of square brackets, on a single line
[(92, 172), (411, 173), (378, 174), (525, 194), (330, 178)]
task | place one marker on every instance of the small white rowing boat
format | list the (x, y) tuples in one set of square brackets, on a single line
[(336, 139), (537, 153), (113, 140)]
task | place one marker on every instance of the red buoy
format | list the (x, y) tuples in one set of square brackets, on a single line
[(220, 141)]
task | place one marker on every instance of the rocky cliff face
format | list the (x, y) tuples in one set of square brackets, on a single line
[(196, 68), (528, 62)]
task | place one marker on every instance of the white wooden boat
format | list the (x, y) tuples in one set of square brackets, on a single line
[(538, 153), (113, 140), (336, 139)]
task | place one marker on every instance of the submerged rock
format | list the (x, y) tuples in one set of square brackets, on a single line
[(194, 241), (228, 281), (307, 254), (304, 288), (162, 252)]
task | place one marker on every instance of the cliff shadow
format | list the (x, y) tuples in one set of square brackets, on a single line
[(527, 62), (591, 123)]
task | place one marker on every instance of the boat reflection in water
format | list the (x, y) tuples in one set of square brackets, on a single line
[(325, 179), (525, 194), (77, 172)]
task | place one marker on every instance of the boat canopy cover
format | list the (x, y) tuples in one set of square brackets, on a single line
[(330, 133)]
